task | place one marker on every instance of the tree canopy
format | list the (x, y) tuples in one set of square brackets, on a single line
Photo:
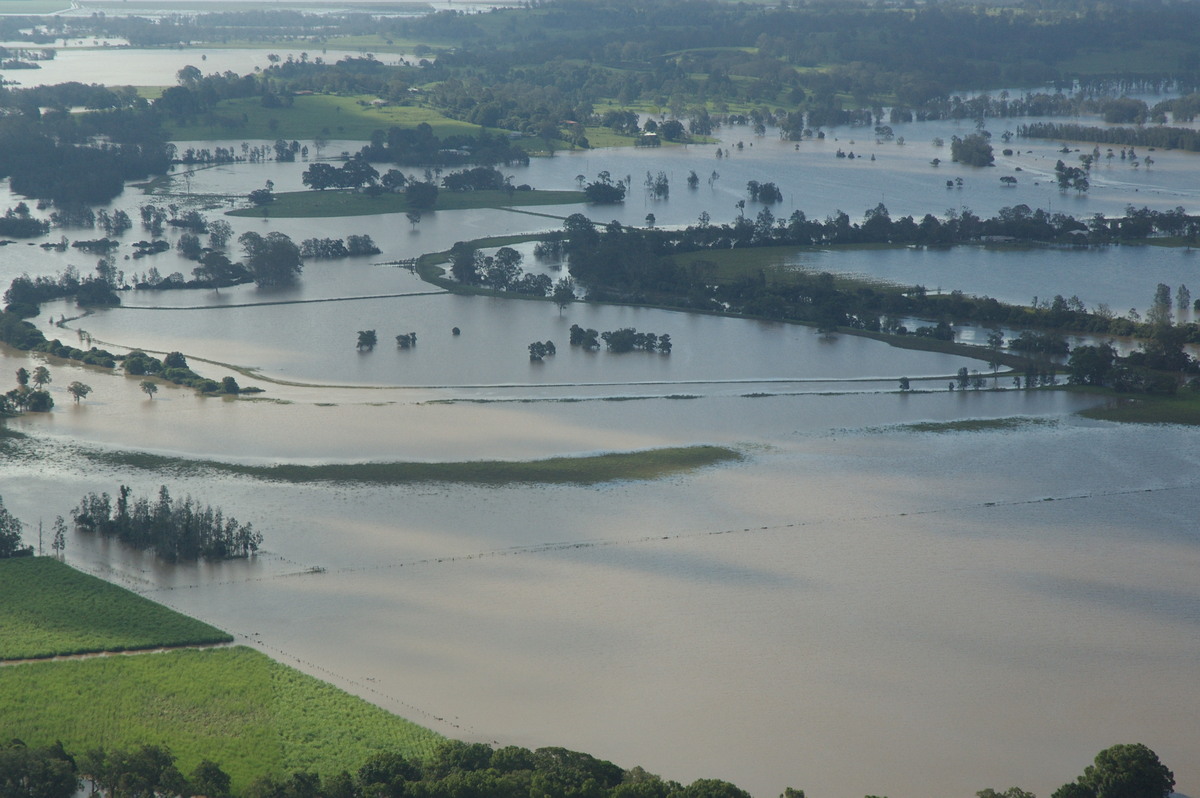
[(1129, 770), (273, 259)]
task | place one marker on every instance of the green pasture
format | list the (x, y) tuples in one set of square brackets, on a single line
[(48, 609), (234, 706)]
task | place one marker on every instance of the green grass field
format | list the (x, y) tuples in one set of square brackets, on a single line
[(234, 706), (321, 204), (48, 608)]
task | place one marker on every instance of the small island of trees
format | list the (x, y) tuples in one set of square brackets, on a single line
[(175, 529)]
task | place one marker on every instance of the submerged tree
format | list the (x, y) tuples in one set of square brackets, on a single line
[(78, 390)]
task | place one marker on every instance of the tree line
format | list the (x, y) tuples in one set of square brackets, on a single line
[(661, 267), (176, 529), (462, 770), (1168, 138)]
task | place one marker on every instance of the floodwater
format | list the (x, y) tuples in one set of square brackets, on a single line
[(858, 606), (813, 181)]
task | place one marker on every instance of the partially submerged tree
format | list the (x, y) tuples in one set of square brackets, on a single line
[(78, 390)]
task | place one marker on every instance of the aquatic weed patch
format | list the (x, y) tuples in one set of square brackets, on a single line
[(976, 424), (584, 470)]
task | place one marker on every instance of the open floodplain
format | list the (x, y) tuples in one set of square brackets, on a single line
[(918, 594)]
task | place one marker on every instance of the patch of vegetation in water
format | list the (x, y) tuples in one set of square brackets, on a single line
[(48, 608), (975, 424), (586, 470)]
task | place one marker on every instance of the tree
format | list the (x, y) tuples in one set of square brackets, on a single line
[(209, 780), (1091, 365), (366, 340), (149, 387), (59, 543), (904, 384), (261, 196), (78, 390), (1122, 771), (219, 233), (41, 377), (974, 150), (604, 191), (37, 772), (189, 75), (23, 377), (564, 293), (421, 195), (465, 263), (414, 218), (995, 341), (272, 259), (10, 534), (320, 176), (39, 402), (541, 349), (503, 268)]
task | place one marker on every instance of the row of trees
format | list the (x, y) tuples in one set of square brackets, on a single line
[(1167, 138), (502, 272), (625, 339), (459, 770), (175, 529), (329, 248), (653, 266)]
